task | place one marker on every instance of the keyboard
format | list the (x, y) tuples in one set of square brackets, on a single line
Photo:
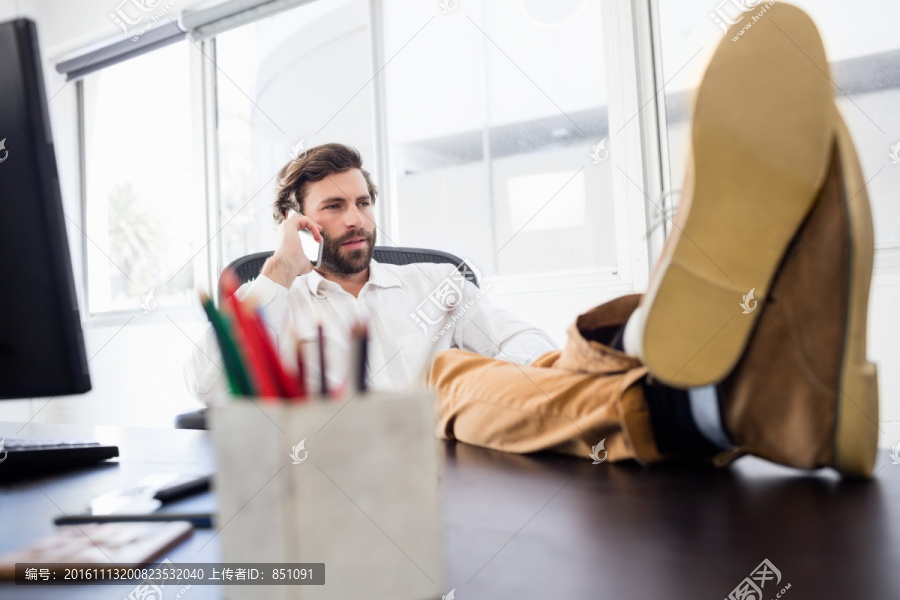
[(24, 455)]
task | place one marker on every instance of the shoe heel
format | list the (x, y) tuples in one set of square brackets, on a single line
[(856, 439)]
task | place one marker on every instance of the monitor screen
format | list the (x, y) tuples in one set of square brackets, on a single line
[(41, 344)]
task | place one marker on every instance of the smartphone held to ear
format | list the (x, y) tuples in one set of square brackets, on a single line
[(311, 247)]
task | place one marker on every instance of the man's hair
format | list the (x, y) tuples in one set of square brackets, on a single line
[(318, 163)]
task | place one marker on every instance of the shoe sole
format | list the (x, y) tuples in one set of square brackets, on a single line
[(856, 432), (762, 130)]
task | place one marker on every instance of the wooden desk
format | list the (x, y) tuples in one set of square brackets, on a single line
[(546, 526)]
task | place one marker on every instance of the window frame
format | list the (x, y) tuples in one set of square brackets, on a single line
[(199, 128)]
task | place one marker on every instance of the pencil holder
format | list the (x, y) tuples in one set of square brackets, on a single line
[(352, 484)]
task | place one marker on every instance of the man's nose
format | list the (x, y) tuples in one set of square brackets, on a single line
[(354, 218)]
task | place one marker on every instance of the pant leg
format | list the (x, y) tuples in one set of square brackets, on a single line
[(566, 401)]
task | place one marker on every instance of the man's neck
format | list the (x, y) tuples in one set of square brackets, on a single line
[(352, 284)]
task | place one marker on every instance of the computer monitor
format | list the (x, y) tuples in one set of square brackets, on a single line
[(41, 343)]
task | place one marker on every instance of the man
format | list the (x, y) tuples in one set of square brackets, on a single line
[(756, 312), (328, 193)]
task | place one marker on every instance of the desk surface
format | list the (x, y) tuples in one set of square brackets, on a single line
[(548, 526)]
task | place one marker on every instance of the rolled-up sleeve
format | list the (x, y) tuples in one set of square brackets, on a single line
[(493, 331)]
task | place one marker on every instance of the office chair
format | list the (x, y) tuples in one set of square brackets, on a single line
[(248, 268)]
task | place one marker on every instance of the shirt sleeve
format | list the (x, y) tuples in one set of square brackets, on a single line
[(204, 372), (496, 332)]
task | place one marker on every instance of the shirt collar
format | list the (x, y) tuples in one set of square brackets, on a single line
[(379, 276)]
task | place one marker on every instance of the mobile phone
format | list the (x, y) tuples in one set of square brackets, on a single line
[(311, 247)]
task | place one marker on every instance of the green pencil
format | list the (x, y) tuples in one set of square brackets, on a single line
[(234, 368)]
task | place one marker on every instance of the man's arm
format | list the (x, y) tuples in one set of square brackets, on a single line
[(203, 370), (496, 332)]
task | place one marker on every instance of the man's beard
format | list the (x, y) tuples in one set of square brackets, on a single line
[(344, 261)]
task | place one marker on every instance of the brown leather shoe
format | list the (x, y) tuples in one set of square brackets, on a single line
[(762, 130), (803, 393)]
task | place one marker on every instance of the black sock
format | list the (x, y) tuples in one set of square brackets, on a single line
[(618, 340), (671, 419), (673, 424)]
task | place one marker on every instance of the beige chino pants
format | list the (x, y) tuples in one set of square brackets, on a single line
[(565, 401)]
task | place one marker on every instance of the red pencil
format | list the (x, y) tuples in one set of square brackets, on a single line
[(286, 385), (270, 355)]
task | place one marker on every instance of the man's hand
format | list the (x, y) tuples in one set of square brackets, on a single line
[(289, 260)]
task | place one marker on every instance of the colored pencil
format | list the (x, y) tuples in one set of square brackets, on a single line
[(285, 382), (235, 372), (251, 346), (252, 323)]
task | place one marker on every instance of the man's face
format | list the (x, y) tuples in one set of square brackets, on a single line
[(340, 203)]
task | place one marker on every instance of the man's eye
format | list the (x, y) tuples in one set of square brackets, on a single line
[(365, 203), (332, 206)]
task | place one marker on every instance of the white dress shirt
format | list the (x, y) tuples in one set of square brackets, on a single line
[(413, 311)]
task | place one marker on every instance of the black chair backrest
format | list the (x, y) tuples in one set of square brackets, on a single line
[(248, 267)]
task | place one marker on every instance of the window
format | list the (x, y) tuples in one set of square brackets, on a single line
[(143, 202), (493, 112), (862, 64)]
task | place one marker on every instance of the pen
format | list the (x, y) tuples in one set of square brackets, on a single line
[(301, 371), (364, 359), (360, 346), (183, 487), (198, 520), (323, 380)]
